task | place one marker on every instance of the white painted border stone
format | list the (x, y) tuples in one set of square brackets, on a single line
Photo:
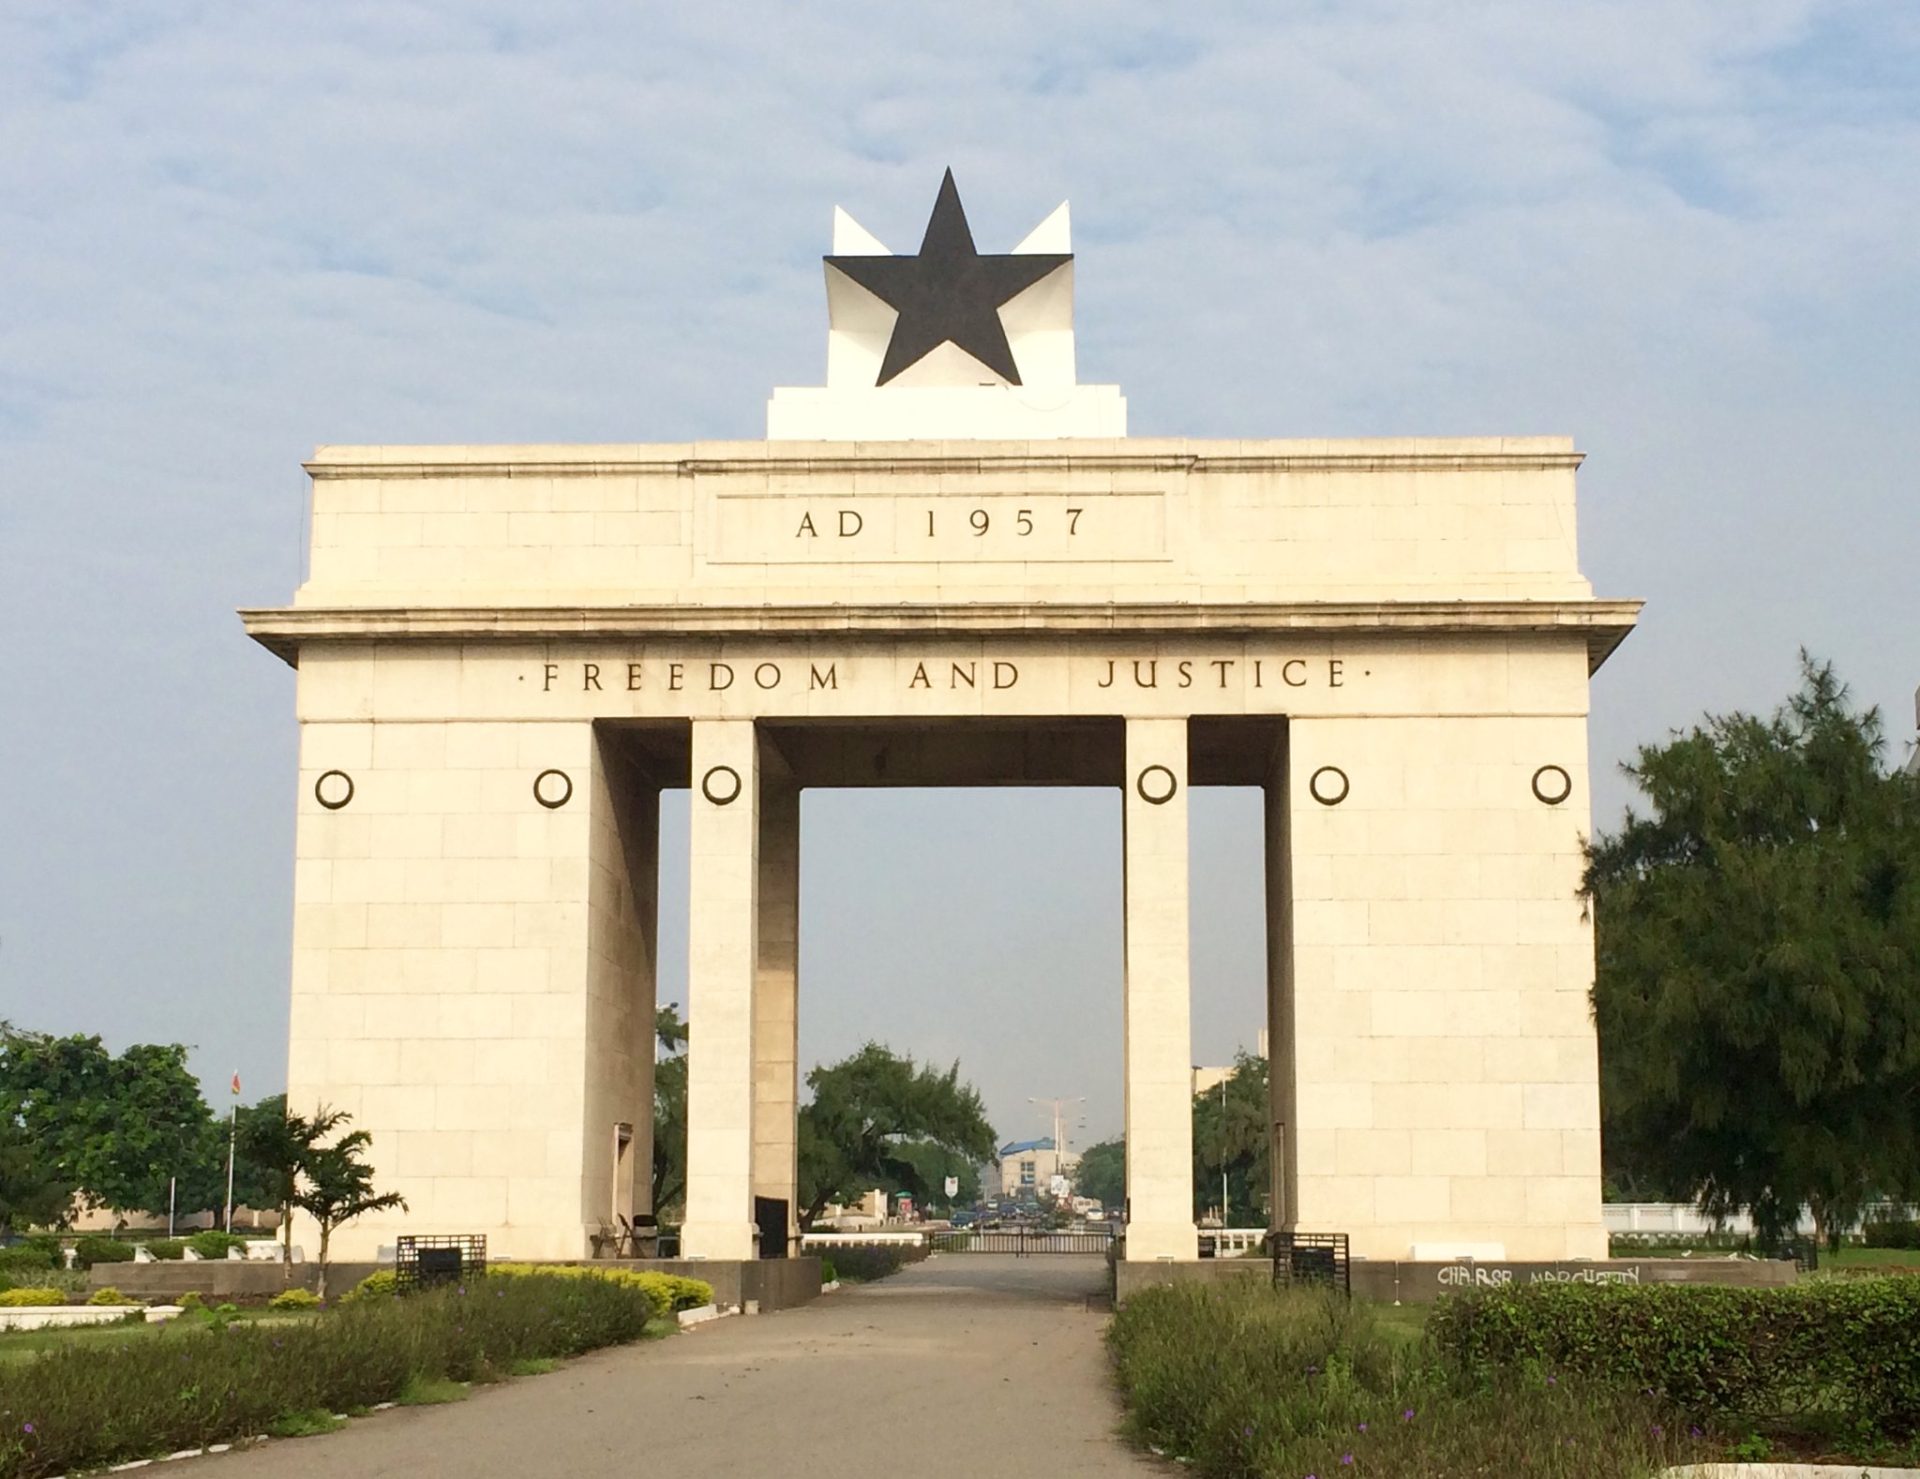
[(1786, 1472)]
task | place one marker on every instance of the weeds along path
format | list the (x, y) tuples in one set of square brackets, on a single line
[(942, 1358)]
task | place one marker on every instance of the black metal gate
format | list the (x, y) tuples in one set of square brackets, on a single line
[(1311, 1259), (422, 1261), (1021, 1242)]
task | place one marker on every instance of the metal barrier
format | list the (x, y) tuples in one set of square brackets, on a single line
[(1311, 1258), (1020, 1242), (421, 1262)]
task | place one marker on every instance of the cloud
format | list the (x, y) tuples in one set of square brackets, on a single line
[(1682, 232)]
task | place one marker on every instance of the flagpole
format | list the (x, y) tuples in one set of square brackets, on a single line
[(233, 1126)]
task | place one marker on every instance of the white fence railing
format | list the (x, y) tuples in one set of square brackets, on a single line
[(1682, 1219), (877, 1238)]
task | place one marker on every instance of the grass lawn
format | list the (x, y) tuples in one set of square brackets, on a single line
[(1872, 1258), (1402, 1323)]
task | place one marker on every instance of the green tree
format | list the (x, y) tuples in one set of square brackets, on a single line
[(1102, 1174), (878, 1119), (669, 1111), (1758, 985), (256, 1183), (116, 1129), (1230, 1136), (32, 1191), (274, 1144), (336, 1184)]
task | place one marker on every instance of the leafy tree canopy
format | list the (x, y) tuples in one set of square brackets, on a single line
[(669, 1111), (115, 1129), (33, 1193), (1758, 985), (1230, 1136), (1102, 1174), (878, 1119)]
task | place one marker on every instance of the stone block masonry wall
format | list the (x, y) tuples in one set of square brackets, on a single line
[(1445, 1061), (442, 936)]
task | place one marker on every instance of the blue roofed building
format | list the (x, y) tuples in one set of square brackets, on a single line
[(1027, 1167)]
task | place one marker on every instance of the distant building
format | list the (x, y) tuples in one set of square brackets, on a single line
[(1027, 1167), (1206, 1079)]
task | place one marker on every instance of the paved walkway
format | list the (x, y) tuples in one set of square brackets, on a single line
[(993, 1364)]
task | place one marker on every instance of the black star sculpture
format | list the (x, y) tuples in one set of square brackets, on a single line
[(949, 293)]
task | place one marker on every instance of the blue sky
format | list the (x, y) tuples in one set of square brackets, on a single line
[(1682, 232)]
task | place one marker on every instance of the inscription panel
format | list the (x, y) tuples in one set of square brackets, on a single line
[(924, 528)]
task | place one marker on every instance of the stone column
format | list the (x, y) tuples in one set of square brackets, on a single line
[(623, 863), (776, 1019), (1282, 1120), (1158, 1017), (722, 960)]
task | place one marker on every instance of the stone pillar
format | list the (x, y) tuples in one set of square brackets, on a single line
[(776, 1047), (623, 946), (722, 960), (1282, 1121), (1159, 1029)]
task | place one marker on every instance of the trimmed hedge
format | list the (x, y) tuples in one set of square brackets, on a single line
[(76, 1408), (1891, 1235), (1243, 1381), (167, 1249), (858, 1263), (26, 1258), (1851, 1346), (668, 1292), (214, 1244), (88, 1251)]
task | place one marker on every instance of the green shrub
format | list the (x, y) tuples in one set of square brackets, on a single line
[(380, 1284), (1891, 1234), (861, 1263), (214, 1243), (107, 1294), (191, 1301), (1846, 1348), (167, 1249), (294, 1299), (1238, 1379), (669, 1292), (827, 1273), (88, 1251), (26, 1258), (103, 1404), (39, 1295)]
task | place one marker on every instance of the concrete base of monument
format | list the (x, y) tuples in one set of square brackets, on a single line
[(1406, 1282), (749, 1285)]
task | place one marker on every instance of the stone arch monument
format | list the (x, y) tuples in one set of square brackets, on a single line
[(947, 566)]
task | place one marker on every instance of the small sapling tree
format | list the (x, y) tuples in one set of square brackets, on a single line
[(336, 1185)]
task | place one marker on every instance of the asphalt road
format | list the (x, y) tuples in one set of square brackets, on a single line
[(958, 1358)]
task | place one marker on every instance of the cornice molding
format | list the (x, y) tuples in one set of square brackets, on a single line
[(284, 630)]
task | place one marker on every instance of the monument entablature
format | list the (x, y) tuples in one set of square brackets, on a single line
[(948, 565)]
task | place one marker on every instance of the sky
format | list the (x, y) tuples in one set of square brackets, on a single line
[(1681, 231)]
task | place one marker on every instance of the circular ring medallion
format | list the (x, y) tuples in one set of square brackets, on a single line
[(1328, 785), (720, 785), (553, 789), (334, 789), (1156, 785), (1552, 785)]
